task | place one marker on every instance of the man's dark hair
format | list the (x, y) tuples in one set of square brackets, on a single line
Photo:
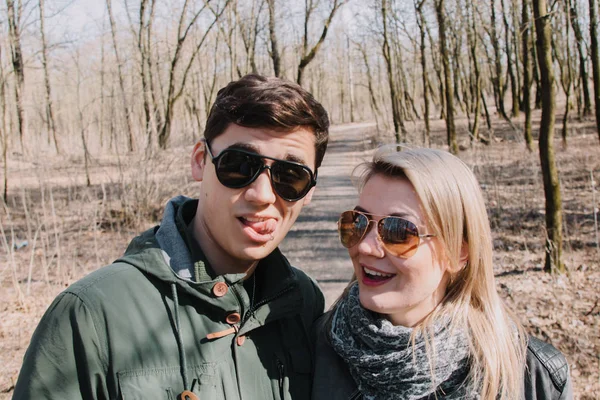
[(256, 101)]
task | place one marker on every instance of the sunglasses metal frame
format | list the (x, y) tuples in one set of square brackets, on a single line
[(215, 161), (383, 243)]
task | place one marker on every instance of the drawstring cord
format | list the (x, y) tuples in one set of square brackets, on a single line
[(182, 358)]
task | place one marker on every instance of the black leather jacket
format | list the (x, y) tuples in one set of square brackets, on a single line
[(546, 375)]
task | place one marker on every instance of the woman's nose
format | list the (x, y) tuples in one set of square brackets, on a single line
[(370, 243)]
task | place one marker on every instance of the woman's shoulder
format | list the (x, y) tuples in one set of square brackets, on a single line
[(332, 379), (547, 372), (320, 325)]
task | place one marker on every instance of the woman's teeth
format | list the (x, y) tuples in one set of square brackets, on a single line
[(376, 274)]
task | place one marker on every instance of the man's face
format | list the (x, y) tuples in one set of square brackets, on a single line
[(237, 227)]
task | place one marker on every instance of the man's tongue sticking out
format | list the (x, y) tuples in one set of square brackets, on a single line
[(263, 228)]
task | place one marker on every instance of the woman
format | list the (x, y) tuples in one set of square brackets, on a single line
[(421, 318)]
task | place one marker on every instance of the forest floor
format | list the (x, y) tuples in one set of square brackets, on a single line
[(56, 229)]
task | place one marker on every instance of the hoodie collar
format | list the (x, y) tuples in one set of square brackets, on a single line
[(163, 253)]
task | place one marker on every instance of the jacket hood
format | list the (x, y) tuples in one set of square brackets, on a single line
[(162, 253)]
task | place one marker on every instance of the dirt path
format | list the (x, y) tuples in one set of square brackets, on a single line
[(313, 243)]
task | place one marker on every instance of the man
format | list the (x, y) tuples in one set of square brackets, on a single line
[(204, 306)]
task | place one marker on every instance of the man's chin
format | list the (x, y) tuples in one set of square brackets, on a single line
[(258, 251)]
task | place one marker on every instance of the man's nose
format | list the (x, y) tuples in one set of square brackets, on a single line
[(261, 190)]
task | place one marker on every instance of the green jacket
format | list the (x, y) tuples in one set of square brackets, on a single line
[(137, 330)]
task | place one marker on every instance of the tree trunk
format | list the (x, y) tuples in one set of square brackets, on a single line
[(583, 73), (372, 98), (566, 75), (450, 129), (396, 115), (536, 76), (476, 86), (422, 47), (308, 56), (548, 163), (510, 64), (595, 60), (350, 79), (14, 12), (174, 93), (526, 74), (497, 80), (113, 30), (49, 108), (144, 47), (273, 38), (3, 130)]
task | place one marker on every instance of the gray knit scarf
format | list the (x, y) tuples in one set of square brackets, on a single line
[(385, 365)]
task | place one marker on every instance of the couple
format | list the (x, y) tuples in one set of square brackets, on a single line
[(205, 306)]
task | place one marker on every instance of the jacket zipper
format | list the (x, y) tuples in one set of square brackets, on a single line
[(281, 369), (265, 301)]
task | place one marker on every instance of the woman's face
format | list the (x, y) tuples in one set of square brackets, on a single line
[(405, 290)]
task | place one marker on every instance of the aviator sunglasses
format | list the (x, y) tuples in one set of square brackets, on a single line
[(398, 236), (236, 168)]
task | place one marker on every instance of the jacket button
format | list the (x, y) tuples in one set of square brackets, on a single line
[(233, 318), (220, 289), (187, 395), (240, 340)]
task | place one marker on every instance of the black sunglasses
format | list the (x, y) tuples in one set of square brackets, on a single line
[(398, 236), (236, 168)]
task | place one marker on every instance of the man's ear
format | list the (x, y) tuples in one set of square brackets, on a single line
[(198, 161), (306, 200)]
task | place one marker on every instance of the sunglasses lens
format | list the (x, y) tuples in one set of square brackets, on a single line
[(236, 169), (290, 181), (352, 227), (400, 237)]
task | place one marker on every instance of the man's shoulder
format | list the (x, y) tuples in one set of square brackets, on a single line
[(116, 283), (312, 296), (546, 362), (306, 283)]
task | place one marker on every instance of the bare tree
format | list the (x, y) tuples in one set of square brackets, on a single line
[(143, 34), (525, 28), (547, 158), (3, 130), (564, 61), (510, 64), (249, 30), (51, 124), (308, 55), (175, 90), (440, 13), (595, 59), (396, 114), (273, 38), (498, 79), (421, 22), (14, 9), (583, 73), (126, 108)]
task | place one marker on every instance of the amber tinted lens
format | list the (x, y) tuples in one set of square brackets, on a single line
[(399, 236), (352, 227)]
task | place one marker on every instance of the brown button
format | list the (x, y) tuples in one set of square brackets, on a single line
[(233, 318), (187, 395), (220, 289), (240, 340)]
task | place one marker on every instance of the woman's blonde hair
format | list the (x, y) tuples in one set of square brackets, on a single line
[(453, 204)]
